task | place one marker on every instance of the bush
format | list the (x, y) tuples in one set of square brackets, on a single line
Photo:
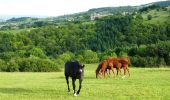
[(137, 61), (12, 66), (123, 54), (3, 65), (106, 54), (161, 62), (79, 58), (37, 52), (34, 64), (90, 56), (46, 65), (167, 59), (67, 56), (132, 51), (149, 17), (7, 55), (60, 62)]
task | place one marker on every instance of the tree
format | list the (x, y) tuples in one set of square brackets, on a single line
[(149, 17)]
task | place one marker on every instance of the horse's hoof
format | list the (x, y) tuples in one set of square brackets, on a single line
[(123, 77), (75, 94)]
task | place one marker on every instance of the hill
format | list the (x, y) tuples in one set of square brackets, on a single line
[(157, 15), (91, 14)]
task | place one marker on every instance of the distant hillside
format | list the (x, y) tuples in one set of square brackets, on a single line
[(90, 15), (1, 20), (86, 16), (26, 19), (113, 10), (157, 15), (162, 3)]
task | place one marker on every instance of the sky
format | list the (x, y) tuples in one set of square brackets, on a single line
[(60, 7)]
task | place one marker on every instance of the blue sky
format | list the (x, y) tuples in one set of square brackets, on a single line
[(60, 7)]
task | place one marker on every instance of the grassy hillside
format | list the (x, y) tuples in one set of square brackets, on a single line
[(144, 84), (157, 15)]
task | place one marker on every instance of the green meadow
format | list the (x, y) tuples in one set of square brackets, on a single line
[(157, 16), (144, 84)]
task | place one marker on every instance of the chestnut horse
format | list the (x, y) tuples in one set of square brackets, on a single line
[(125, 61), (111, 63), (102, 64)]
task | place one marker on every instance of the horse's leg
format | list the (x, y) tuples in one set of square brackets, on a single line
[(103, 73), (128, 70), (124, 68), (67, 83), (120, 72), (117, 72), (109, 73), (80, 82), (74, 86), (113, 72)]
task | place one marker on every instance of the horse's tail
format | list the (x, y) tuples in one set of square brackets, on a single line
[(129, 61), (97, 70)]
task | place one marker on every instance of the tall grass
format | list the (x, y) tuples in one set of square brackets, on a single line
[(144, 84)]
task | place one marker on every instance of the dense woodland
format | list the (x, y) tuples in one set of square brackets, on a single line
[(46, 47)]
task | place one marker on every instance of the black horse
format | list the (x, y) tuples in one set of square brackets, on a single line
[(75, 70)]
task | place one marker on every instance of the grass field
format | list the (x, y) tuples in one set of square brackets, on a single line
[(157, 16), (144, 84)]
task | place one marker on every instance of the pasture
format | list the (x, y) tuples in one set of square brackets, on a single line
[(144, 84)]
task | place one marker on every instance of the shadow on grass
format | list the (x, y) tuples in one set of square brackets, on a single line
[(63, 77), (14, 90), (22, 91)]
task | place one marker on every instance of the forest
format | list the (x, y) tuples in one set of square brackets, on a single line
[(143, 36)]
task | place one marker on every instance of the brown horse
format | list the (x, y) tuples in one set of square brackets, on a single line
[(125, 61), (102, 64), (114, 63), (111, 63), (103, 67), (98, 69)]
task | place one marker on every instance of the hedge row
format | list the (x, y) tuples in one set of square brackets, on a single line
[(31, 64)]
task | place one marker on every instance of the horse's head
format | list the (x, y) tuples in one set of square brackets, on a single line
[(81, 70)]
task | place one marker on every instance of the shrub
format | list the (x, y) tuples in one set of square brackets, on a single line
[(66, 56), (138, 61), (12, 66), (38, 52), (46, 65), (79, 58), (3, 65), (149, 17), (123, 54), (167, 59), (90, 56), (34, 64), (60, 63), (7, 55)]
